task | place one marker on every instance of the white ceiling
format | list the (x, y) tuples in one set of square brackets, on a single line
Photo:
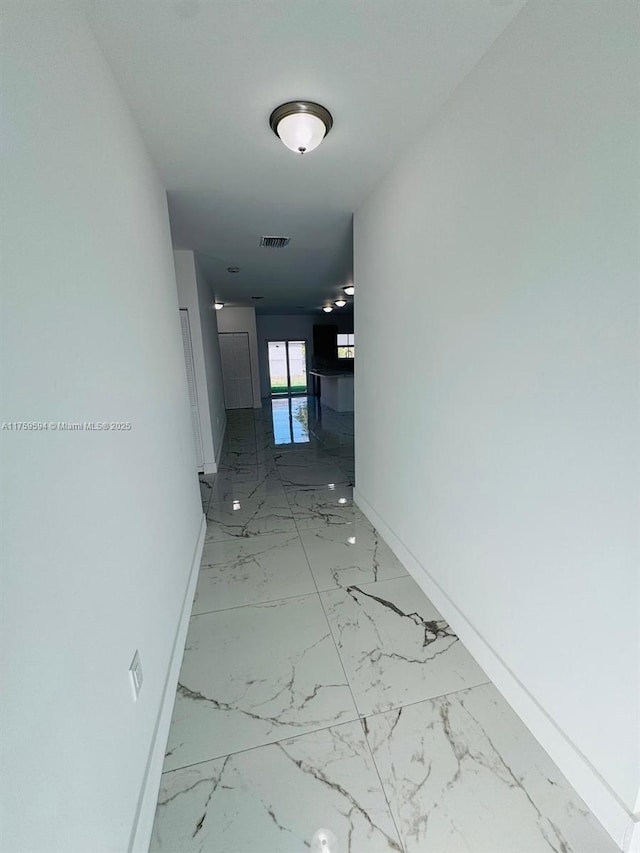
[(202, 77)]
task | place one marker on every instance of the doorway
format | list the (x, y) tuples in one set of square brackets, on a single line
[(287, 367), (236, 370)]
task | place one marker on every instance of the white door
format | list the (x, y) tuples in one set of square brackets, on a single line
[(191, 385), (236, 370)]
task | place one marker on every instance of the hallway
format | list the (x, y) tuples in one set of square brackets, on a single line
[(321, 690)]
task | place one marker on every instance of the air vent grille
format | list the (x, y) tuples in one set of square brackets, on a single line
[(274, 242)]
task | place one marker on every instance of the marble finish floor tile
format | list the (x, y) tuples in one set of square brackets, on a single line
[(320, 473), (349, 553), (254, 675), (226, 487), (302, 455), (240, 444), (319, 507), (232, 459), (462, 773), (267, 745), (395, 646), (243, 471), (249, 571), (276, 798), (259, 513), (349, 472)]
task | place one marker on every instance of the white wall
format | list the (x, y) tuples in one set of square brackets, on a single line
[(213, 366), (244, 320), (194, 294), (99, 528), (497, 306), (185, 266), (291, 327)]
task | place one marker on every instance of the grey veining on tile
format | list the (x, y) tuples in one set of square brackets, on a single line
[(349, 553), (247, 471), (395, 646), (354, 710), (317, 507), (259, 513), (462, 773), (253, 675), (303, 455), (249, 571), (312, 474), (275, 798)]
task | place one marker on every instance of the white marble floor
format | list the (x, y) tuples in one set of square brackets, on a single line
[(323, 703)]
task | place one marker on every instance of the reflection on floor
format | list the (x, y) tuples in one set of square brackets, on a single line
[(323, 702), (290, 416)]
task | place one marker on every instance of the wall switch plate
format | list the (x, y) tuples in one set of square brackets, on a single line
[(135, 673)]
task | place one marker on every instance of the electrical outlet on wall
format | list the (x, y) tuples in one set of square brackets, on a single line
[(135, 673)]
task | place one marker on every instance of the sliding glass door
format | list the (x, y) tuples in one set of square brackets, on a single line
[(287, 367)]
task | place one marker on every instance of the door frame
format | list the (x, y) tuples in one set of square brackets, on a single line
[(287, 341)]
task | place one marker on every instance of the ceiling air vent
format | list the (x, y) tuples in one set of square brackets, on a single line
[(274, 242)]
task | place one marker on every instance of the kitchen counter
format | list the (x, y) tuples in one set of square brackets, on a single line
[(334, 388)]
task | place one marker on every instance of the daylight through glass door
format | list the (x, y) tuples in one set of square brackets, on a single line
[(288, 367)]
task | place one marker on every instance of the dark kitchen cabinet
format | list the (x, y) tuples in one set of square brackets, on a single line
[(325, 347)]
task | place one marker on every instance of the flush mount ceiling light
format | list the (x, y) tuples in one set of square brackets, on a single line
[(340, 303), (218, 305), (301, 125), (233, 269), (349, 290), (327, 309)]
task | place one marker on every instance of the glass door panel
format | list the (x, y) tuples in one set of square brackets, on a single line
[(278, 372), (287, 367), (297, 367)]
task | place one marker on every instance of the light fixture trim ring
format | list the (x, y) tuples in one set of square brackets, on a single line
[(298, 108)]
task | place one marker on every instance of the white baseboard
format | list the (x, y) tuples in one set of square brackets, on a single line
[(143, 823), (586, 780), (212, 467)]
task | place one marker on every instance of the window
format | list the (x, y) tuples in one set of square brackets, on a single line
[(346, 348)]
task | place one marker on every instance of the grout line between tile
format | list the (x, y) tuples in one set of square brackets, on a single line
[(355, 704), (286, 739), (254, 604)]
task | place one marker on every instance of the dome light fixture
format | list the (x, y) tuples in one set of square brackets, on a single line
[(301, 125), (349, 289), (327, 309), (340, 303), (218, 305)]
